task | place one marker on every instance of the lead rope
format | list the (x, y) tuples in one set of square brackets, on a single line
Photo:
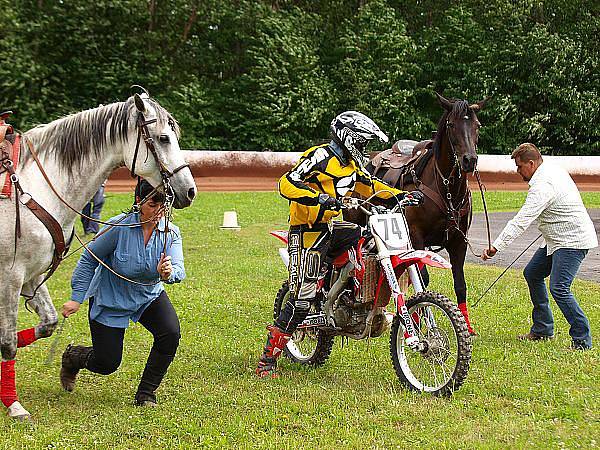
[(487, 219), (102, 263), (505, 270), (52, 350)]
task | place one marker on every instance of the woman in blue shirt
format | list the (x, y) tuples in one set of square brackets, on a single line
[(137, 253)]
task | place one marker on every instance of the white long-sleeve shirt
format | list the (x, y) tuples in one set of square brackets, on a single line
[(554, 203)]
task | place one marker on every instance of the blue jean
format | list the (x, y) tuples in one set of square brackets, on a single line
[(93, 209), (561, 266)]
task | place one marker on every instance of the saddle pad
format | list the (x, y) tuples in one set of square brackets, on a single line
[(7, 148)]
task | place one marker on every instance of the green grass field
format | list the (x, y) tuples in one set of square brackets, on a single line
[(517, 395)]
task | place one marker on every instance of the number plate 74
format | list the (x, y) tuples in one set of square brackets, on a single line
[(392, 230)]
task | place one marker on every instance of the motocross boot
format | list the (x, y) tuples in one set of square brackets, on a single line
[(465, 313), (276, 342), (74, 358)]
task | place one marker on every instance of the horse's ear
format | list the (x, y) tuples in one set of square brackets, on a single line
[(446, 104), (139, 103), (479, 105)]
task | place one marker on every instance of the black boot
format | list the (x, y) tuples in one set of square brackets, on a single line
[(74, 358), (154, 372)]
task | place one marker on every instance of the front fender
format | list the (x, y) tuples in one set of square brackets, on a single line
[(400, 263), (422, 257)]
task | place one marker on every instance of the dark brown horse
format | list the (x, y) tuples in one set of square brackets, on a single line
[(439, 169)]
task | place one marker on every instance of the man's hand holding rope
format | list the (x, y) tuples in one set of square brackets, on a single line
[(488, 253)]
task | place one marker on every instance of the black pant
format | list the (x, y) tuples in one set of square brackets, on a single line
[(161, 320)]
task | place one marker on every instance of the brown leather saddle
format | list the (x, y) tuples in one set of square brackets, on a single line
[(403, 163)]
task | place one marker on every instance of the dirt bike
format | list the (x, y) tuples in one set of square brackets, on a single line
[(430, 345)]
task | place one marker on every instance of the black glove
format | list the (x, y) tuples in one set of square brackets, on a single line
[(329, 202), (416, 196)]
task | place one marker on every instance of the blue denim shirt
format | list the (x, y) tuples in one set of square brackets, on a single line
[(117, 301)]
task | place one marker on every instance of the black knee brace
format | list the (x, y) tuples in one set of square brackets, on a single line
[(292, 315)]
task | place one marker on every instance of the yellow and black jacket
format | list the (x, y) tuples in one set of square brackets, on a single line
[(321, 171)]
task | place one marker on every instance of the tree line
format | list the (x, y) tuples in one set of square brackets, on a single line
[(270, 75)]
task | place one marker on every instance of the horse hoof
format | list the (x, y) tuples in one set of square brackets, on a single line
[(16, 411)]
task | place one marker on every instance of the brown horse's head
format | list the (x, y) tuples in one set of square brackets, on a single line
[(460, 125)]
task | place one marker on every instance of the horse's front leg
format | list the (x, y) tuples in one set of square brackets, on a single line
[(457, 250), (43, 306), (8, 348)]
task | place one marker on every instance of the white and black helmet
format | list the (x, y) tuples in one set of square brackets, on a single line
[(353, 131)]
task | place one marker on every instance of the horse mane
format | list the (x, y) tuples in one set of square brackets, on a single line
[(459, 108), (75, 138)]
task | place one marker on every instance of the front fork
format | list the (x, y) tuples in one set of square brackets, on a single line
[(410, 335)]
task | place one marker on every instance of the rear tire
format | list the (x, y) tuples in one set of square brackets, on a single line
[(308, 346), (443, 366)]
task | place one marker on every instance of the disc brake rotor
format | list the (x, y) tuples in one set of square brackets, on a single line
[(438, 346)]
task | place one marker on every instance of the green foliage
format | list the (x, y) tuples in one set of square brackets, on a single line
[(283, 98), (377, 73), (270, 74)]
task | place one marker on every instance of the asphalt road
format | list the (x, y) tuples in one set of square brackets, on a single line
[(590, 268)]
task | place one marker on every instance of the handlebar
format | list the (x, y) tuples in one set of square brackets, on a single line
[(357, 203)]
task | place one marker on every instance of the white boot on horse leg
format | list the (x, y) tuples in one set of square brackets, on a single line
[(16, 411)]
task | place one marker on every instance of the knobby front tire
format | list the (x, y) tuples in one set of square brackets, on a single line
[(444, 364), (309, 346)]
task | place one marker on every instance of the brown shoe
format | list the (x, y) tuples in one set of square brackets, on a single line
[(74, 358), (146, 400), (534, 337)]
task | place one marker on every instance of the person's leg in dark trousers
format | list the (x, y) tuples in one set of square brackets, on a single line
[(107, 344), (161, 320), (104, 357), (98, 203), (317, 248), (536, 270), (344, 235)]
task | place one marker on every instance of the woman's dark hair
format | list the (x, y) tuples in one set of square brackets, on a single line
[(143, 189)]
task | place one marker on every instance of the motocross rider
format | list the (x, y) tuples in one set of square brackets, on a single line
[(313, 187)]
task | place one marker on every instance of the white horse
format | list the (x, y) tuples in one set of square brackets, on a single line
[(78, 152)]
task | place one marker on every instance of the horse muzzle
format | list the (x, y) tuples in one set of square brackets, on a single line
[(468, 163), (183, 201)]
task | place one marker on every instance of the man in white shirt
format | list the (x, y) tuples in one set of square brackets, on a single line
[(554, 203)]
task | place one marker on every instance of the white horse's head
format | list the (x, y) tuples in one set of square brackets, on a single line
[(158, 157)]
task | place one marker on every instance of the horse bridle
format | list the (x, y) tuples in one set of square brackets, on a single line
[(144, 133)]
